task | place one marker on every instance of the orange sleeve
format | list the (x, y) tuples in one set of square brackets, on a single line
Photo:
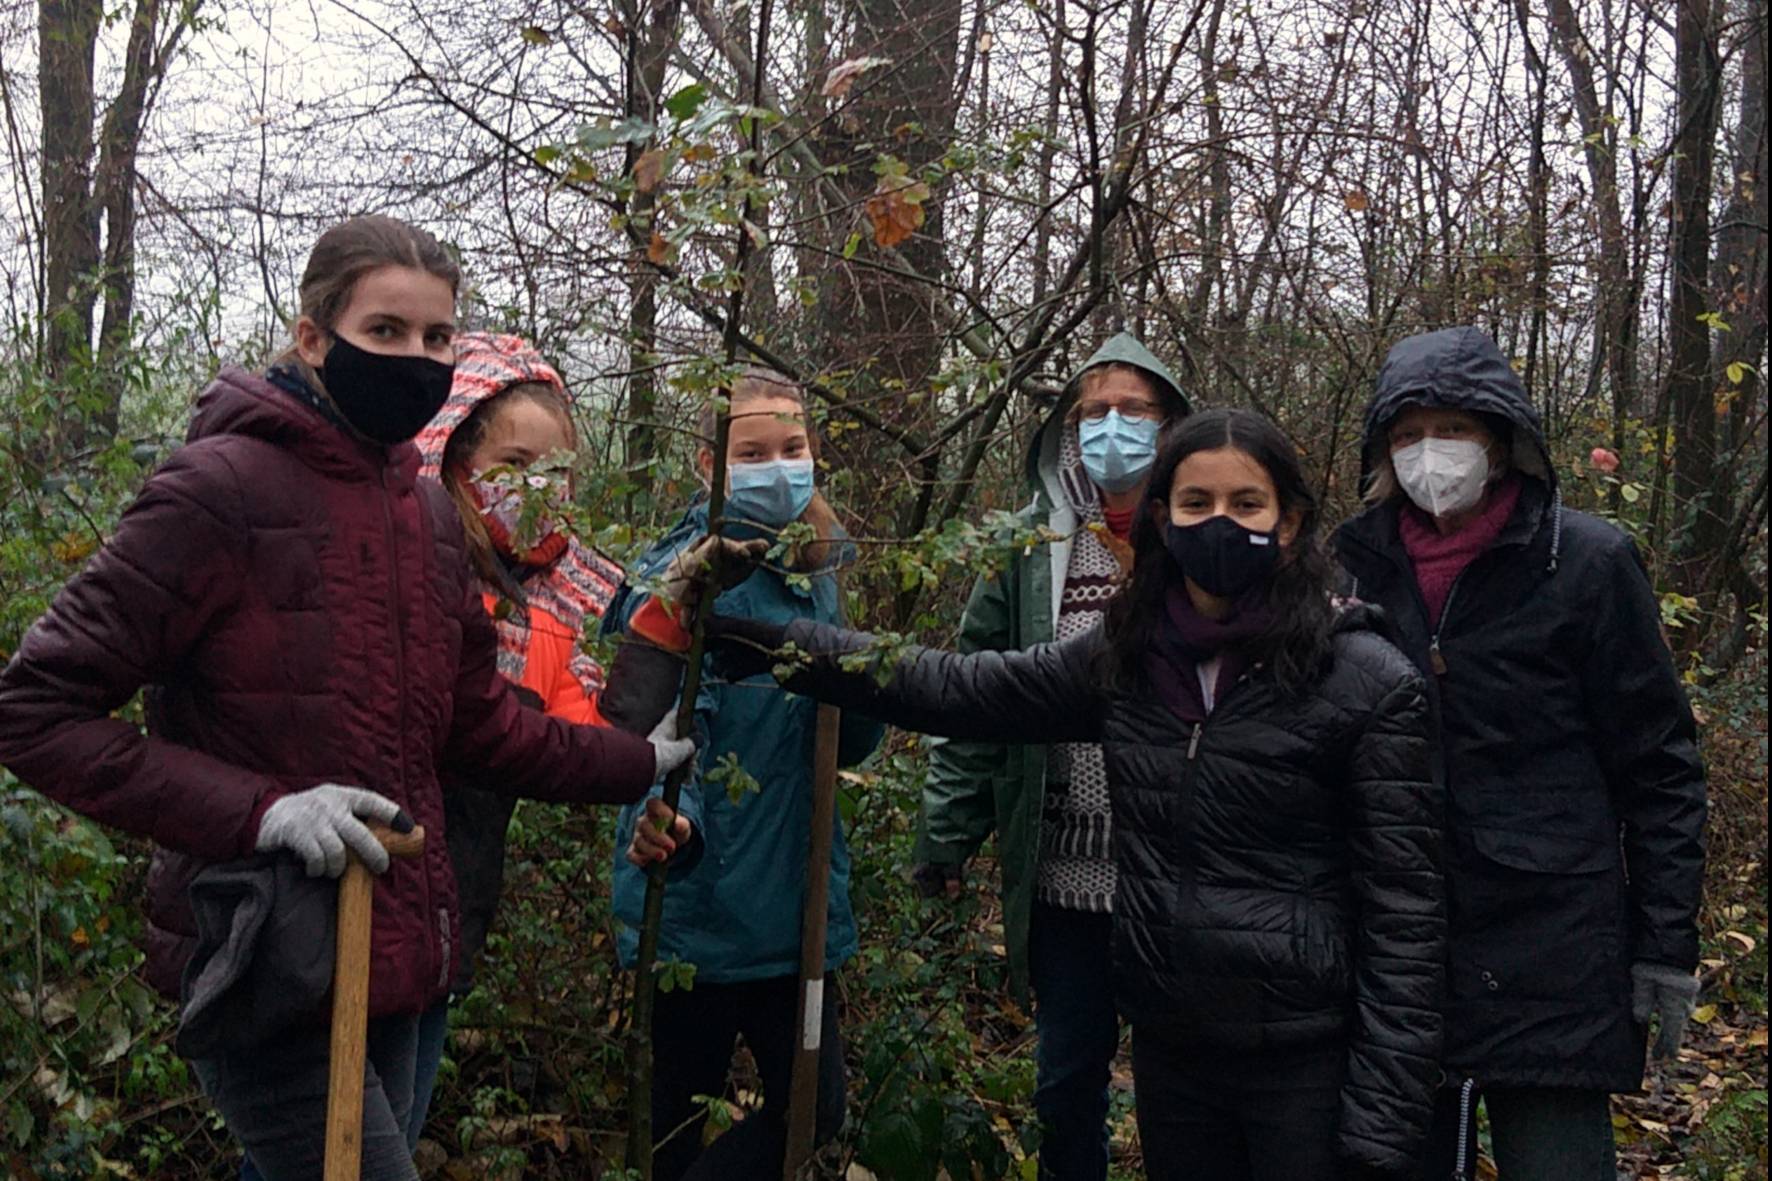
[(547, 671), (658, 622)]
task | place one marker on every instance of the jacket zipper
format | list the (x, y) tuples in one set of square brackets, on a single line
[(1435, 658), (395, 609), (444, 940), (1193, 741)]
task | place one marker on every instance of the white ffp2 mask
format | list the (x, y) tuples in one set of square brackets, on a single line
[(1443, 475)]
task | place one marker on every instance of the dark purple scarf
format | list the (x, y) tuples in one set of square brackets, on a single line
[(1185, 639)]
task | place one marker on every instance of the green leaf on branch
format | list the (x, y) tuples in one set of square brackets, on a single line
[(673, 973), (607, 133), (729, 773), (687, 101)]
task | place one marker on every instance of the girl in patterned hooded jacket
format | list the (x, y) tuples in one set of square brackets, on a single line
[(502, 446)]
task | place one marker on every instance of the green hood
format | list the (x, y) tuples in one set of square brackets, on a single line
[(1124, 348)]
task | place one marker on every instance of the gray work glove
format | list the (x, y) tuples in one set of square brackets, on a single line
[(668, 751), (1665, 991), (318, 825)]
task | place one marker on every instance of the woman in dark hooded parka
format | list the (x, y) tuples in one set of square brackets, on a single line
[(1575, 796)]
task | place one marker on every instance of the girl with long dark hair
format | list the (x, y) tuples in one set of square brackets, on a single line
[(1278, 925)]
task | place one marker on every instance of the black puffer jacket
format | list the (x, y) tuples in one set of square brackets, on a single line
[(1278, 877), (1574, 791)]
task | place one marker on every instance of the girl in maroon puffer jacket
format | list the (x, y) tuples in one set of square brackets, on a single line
[(301, 609)]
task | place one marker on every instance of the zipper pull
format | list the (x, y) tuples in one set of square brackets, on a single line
[(1435, 660), (1193, 743)]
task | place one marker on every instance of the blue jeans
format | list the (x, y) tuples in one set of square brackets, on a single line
[(1069, 965), (433, 1025), (273, 1099)]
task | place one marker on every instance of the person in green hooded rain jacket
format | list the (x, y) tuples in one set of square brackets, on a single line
[(1048, 806), (738, 862)]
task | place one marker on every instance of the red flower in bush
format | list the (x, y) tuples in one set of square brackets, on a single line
[(1603, 459)]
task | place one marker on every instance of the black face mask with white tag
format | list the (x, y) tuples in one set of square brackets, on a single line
[(385, 397), (1222, 557)]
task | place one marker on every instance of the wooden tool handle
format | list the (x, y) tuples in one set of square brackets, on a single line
[(350, 1004), (401, 845)]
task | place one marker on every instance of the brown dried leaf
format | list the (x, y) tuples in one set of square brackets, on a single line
[(1355, 200), (648, 170), (896, 209), (658, 251), (844, 74)]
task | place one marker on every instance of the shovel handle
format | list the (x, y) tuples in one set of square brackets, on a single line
[(350, 1005)]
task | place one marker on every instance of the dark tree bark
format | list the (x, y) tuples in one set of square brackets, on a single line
[(67, 38), (651, 31), (1690, 385), (82, 269)]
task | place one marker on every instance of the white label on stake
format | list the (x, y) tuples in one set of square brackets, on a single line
[(812, 1021)]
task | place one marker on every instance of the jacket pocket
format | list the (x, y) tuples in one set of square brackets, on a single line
[(1544, 852), (1538, 916), (1323, 955)]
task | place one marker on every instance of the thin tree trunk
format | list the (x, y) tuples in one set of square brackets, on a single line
[(651, 32), (1537, 230), (639, 1142), (67, 37), (1615, 295), (1697, 70)]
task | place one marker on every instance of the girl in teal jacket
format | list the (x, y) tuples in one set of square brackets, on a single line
[(738, 860)]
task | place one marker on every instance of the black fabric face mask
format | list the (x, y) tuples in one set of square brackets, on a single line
[(1221, 556), (385, 398)]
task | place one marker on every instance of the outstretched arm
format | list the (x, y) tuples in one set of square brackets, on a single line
[(1043, 694)]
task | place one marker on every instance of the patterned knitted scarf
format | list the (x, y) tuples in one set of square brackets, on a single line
[(1076, 869)]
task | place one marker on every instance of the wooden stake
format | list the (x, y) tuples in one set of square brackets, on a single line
[(350, 1006), (814, 921)]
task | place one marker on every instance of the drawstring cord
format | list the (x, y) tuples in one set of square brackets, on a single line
[(1556, 528), (1466, 1113)]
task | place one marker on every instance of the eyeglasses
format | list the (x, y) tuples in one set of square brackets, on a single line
[(1137, 408)]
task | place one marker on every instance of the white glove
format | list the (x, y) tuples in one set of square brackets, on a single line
[(668, 751), (319, 824)]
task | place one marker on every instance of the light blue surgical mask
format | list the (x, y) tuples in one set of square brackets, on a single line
[(1118, 451), (769, 494)]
